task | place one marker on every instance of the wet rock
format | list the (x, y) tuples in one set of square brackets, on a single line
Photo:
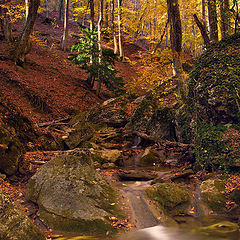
[(14, 224), (71, 194), (221, 229), (173, 199), (109, 166), (136, 175), (211, 192), (150, 157)]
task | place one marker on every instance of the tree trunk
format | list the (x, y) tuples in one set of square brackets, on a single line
[(91, 79), (119, 29), (5, 24), (113, 27), (27, 10), (60, 16), (100, 47), (204, 14), (203, 31), (23, 46), (225, 20), (176, 43), (106, 14), (91, 2), (65, 31), (47, 8), (212, 18)]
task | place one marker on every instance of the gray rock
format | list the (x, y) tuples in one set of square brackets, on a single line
[(14, 224), (71, 194)]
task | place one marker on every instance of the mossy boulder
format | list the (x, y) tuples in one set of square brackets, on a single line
[(10, 152), (150, 157), (110, 113), (211, 193), (172, 198), (81, 133), (214, 83), (14, 224), (71, 194), (106, 155), (156, 122), (213, 101)]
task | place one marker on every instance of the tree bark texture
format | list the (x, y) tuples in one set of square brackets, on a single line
[(113, 27), (176, 44), (60, 10), (100, 20), (203, 31), (212, 19), (225, 18), (5, 24), (119, 29), (65, 31), (23, 45)]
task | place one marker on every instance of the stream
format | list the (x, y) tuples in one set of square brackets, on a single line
[(149, 227)]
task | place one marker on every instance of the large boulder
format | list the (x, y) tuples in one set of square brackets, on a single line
[(14, 224), (71, 194), (148, 118), (213, 101), (110, 112), (214, 83)]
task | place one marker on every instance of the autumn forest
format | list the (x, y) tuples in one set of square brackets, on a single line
[(119, 119)]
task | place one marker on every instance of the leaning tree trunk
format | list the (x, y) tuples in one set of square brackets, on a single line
[(23, 45), (176, 44), (65, 32), (203, 31), (212, 18)]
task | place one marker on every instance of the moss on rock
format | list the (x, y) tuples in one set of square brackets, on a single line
[(211, 192), (172, 198)]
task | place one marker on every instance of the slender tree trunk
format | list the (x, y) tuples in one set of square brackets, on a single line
[(212, 18), (23, 45), (60, 16), (225, 20), (119, 29), (203, 31), (100, 47), (65, 31), (113, 27), (160, 42), (91, 79)]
